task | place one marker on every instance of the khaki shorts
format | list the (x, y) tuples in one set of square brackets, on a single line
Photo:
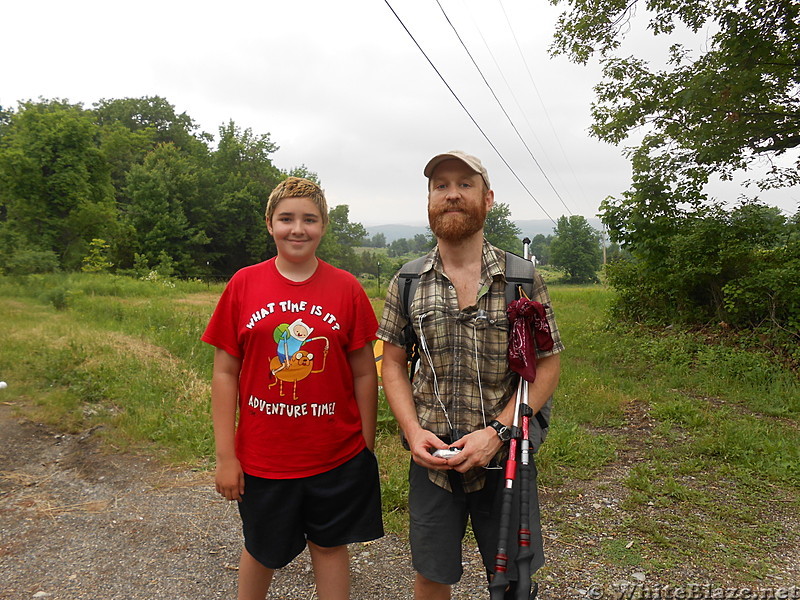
[(439, 522)]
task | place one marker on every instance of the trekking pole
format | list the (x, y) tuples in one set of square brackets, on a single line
[(525, 552), (499, 583)]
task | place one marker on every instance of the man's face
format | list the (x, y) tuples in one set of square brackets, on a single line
[(457, 201)]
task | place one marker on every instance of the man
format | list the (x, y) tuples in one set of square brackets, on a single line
[(463, 394)]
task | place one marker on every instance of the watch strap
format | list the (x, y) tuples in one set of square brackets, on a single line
[(503, 431)]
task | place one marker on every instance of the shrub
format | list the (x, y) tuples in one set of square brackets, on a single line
[(27, 262)]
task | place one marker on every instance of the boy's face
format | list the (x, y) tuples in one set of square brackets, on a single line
[(297, 228)]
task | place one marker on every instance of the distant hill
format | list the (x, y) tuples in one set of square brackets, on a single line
[(395, 232), (529, 229)]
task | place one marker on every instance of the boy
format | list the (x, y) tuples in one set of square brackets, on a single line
[(300, 465)]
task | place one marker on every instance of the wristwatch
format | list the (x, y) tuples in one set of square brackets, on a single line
[(503, 432)]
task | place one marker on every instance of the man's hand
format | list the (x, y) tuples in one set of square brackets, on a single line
[(477, 449), (422, 443)]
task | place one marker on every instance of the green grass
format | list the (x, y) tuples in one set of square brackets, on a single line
[(711, 475), (719, 467)]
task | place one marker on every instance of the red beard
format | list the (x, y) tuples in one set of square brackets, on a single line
[(455, 226)]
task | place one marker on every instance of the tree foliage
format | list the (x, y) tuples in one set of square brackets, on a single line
[(576, 249), (131, 185), (540, 248), (341, 236), (500, 230), (710, 112), (726, 106), (55, 184), (739, 267)]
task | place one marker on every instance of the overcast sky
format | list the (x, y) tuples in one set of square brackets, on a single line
[(341, 88)]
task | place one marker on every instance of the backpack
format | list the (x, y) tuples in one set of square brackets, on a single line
[(519, 277)]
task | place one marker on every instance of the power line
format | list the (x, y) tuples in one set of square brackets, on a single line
[(430, 62), (500, 104), (519, 106), (539, 96)]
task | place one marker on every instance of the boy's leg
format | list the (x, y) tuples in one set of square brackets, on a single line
[(425, 589), (331, 571), (254, 578)]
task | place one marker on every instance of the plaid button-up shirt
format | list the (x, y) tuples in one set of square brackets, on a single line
[(464, 350)]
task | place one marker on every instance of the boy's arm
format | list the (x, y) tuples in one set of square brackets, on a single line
[(365, 386), (399, 395), (224, 395)]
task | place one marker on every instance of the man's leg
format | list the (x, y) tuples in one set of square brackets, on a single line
[(425, 589), (438, 521), (254, 578), (331, 571)]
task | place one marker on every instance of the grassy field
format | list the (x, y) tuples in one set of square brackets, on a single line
[(704, 434)]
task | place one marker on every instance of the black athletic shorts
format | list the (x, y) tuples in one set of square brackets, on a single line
[(338, 507)]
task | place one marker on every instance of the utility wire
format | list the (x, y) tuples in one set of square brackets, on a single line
[(516, 101), (538, 95), (505, 80), (500, 104), (430, 62)]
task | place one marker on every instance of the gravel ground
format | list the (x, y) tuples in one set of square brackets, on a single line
[(79, 523)]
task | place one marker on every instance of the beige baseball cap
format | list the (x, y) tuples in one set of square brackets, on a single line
[(472, 162)]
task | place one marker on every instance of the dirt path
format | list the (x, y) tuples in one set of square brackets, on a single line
[(79, 523)]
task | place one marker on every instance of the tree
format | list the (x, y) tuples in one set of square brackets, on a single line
[(244, 176), (500, 230), (741, 266), (576, 249), (302, 171), (399, 247), (714, 112), (165, 212), (377, 241), (55, 186), (97, 260), (540, 248), (422, 243), (157, 118), (340, 238)]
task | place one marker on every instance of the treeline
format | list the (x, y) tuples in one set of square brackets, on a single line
[(737, 269), (130, 185)]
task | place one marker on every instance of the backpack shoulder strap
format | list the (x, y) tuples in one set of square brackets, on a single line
[(519, 274), (408, 280)]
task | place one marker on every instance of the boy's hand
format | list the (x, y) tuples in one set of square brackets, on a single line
[(229, 480)]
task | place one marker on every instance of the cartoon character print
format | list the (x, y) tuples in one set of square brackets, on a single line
[(300, 366), (293, 363)]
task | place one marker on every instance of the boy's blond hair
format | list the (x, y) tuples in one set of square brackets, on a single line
[(297, 187)]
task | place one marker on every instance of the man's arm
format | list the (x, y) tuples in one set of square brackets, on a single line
[(480, 446), (399, 395), (224, 394), (365, 386), (548, 371)]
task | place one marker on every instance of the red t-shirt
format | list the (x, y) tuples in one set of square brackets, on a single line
[(297, 410)]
